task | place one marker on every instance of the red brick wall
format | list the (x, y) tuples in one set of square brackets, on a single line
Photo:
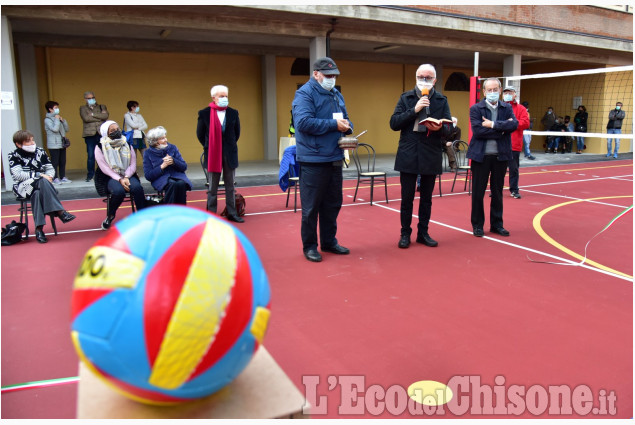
[(584, 19)]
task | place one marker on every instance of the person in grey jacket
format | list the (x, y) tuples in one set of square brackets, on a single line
[(133, 121), (56, 128), (614, 126), (93, 115)]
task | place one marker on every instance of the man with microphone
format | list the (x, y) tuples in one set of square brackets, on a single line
[(420, 150)]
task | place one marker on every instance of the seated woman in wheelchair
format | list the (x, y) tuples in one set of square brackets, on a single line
[(32, 174), (118, 162), (164, 167)]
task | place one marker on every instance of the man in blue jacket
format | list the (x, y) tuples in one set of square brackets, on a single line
[(320, 119), (490, 150)]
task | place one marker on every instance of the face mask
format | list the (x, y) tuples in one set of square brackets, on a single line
[(492, 97), (92, 102), (57, 111), (328, 83), (136, 109), (453, 124), (223, 102), (160, 146), (618, 107), (29, 148), (115, 135), (507, 97), (423, 85), (549, 112)]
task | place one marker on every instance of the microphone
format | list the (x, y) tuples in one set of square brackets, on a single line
[(424, 93)]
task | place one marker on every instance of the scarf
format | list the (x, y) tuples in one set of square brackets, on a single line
[(215, 150), (117, 154)]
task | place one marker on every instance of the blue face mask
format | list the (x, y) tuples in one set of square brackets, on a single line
[(57, 111), (618, 107), (137, 109), (492, 96), (507, 97), (223, 102), (92, 101)]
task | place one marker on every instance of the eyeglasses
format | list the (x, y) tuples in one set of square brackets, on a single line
[(428, 80), (494, 90), (88, 98)]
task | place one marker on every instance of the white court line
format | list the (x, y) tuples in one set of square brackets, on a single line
[(524, 248)]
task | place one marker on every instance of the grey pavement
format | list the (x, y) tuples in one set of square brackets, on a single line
[(260, 173)]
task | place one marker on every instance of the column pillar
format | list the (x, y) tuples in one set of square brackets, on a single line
[(269, 107), (10, 105)]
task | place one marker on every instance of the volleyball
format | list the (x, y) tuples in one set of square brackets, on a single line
[(170, 305)]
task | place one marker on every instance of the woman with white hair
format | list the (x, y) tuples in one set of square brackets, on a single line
[(118, 162), (164, 167)]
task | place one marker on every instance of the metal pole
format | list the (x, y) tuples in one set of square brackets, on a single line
[(476, 64)]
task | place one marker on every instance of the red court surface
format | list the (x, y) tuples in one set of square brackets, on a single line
[(476, 314)]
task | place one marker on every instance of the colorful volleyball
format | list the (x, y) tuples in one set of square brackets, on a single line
[(170, 305)]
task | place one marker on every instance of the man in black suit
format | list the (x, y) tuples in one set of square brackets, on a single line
[(218, 131)]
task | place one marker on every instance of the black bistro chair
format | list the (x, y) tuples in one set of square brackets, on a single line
[(25, 208), (462, 165), (364, 158)]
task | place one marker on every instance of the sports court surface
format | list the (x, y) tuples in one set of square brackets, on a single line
[(471, 307)]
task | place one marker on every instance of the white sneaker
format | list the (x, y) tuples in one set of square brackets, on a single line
[(65, 180), (57, 181)]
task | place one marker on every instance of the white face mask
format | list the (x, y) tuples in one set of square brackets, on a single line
[(160, 146), (423, 85), (29, 148), (328, 83), (507, 97)]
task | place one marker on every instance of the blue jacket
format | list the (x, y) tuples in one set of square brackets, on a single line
[(287, 164), (152, 160), (316, 133), (502, 131)]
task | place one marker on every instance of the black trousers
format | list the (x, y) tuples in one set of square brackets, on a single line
[(321, 197), (175, 192), (58, 159), (514, 164), (493, 170), (408, 186)]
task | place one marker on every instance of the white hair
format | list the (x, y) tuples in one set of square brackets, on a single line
[(154, 134), (427, 66), (219, 88)]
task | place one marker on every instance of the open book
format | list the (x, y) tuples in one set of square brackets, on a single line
[(434, 120)]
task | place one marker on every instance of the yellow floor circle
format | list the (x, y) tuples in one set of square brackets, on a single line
[(430, 393)]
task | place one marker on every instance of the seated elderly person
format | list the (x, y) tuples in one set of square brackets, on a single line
[(164, 167), (32, 174), (118, 162)]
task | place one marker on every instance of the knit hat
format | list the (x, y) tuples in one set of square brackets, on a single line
[(103, 130)]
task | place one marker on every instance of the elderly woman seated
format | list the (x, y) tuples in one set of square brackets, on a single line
[(118, 162), (32, 174), (164, 167)]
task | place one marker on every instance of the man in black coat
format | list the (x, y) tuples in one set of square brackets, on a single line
[(420, 150), (218, 130), (490, 150)]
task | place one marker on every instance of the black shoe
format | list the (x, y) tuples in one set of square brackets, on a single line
[(404, 241), (313, 255), (516, 195), (235, 219), (478, 232), (426, 240), (500, 230), (531, 157), (65, 216), (88, 179), (105, 225), (40, 237), (337, 249)]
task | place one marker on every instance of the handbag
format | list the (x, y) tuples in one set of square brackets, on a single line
[(128, 135), (240, 206), (66, 142), (12, 233)]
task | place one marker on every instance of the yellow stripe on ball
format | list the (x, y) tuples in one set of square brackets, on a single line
[(105, 267), (200, 308)]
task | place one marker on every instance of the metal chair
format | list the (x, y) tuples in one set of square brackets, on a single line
[(25, 208), (364, 158), (295, 182), (462, 164)]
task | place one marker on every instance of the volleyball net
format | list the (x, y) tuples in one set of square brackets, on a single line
[(598, 90)]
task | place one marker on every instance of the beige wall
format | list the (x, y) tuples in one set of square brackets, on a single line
[(170, 88)]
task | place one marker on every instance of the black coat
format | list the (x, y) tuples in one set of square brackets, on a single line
[(419, 152), (230, 135)]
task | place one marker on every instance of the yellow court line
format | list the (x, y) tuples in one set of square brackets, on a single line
[(549, 239)]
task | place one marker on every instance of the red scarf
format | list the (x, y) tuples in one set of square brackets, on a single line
[(215, 150)]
